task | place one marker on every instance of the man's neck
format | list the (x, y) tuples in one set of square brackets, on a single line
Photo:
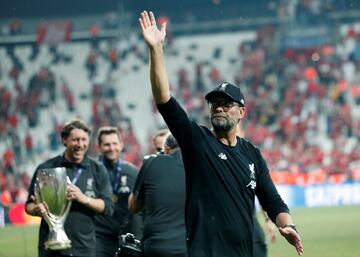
[(227, 138), (72, 160), (109, 162)]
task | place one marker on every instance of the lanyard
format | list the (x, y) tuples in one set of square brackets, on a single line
[(77, 176), (117, 179)]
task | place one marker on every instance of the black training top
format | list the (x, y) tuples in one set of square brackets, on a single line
[(161, 185), (79, 225), (122, 176), (221, 183)]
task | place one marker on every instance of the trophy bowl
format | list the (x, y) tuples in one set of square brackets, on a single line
[(50, 188)]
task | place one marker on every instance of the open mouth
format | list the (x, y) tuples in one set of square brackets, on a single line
[(78, 151)]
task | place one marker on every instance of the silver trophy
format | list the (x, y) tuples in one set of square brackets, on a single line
[(50, 188)]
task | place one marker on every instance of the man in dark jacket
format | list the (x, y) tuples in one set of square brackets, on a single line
[(223, 171), (89, 192), (160, 191), (122, 175)]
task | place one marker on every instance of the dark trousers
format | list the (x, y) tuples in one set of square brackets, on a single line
[(259, 241), (106, 245), (157, 253), (152, 251), (45, 253)]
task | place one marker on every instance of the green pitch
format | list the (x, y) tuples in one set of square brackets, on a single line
[(325, 232), (18, 241)]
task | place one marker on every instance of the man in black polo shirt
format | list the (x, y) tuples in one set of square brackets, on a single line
[(158, 140), (89, 192), (160, 191), (122, 176), (223, 171)]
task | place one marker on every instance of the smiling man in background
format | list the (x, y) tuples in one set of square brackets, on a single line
[(122, 175), (89, 192)]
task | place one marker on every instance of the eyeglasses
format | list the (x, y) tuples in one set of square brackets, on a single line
[(226, 104)]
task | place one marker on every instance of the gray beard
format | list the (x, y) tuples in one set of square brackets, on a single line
[(222, 125)]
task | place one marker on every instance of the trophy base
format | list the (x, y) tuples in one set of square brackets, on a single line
[(56, 245)]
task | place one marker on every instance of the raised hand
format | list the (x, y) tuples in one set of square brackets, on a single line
[(151, 33)]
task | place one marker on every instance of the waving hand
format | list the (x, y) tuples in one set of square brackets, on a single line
[(151, 33)]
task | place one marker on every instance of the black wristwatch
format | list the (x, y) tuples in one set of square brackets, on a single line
[(291, 226)]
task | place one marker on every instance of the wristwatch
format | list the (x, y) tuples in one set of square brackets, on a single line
[(291, 226)]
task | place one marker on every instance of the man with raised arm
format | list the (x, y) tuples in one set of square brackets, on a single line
[(223, 171)]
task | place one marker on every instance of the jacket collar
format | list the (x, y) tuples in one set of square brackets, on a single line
[(84, 163)]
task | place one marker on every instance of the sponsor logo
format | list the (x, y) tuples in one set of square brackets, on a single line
[(252, 183), (124, 186), (89, 187), (252, 170), (223, 86), (89, 183), (222, 156)]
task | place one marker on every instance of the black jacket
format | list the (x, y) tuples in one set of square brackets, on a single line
[(79, 225)]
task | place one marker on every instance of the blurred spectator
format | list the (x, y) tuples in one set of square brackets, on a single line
[(16, 146), (8, 161), (94, 36), (15, 27), (113, 58), (2, 216), (111, 20), (56, 56), (6, 199), (21, 192), (169, 33), (91, 65), (54, 141), (5, 101), (15, 71), (3, 180), (68, 95), (355, 92), (29, 147), (34, 51)]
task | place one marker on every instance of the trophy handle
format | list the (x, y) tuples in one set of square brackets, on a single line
[(39, 199), (66, 212)]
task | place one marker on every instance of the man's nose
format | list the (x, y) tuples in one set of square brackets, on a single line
[(219, 107)]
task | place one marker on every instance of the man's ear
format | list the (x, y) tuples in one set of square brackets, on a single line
[(167, 149), (242, 112), (122, 146)]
